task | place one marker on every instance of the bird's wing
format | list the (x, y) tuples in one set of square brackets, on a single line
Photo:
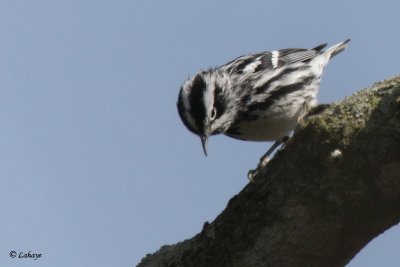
[(254, 63), (290, 56)]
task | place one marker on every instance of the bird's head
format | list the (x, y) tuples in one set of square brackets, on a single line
[(202, 104)]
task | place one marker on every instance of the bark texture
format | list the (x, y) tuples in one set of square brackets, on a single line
[(321, 199)]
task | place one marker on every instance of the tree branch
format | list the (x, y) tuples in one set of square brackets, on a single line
[(331, 190)]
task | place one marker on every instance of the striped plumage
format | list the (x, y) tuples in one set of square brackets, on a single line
[(257, 97)]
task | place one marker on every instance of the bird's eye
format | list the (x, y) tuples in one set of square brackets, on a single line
[(213, 113)]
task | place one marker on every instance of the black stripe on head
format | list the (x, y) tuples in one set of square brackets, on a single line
[(183, 114), (196, 100), (219, 101)]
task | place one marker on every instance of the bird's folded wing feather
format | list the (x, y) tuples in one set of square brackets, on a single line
[(271, 60)]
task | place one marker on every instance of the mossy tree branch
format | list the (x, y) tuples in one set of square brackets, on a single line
[(331, 190)]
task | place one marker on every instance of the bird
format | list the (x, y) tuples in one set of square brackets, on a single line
[(255, 97)]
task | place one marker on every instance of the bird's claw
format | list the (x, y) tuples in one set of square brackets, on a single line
[(253, 173)]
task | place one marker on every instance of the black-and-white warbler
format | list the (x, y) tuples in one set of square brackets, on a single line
[(255, 97)]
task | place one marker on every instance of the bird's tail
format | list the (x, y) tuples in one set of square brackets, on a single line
[(336, 49)]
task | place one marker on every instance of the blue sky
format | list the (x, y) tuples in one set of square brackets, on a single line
[(96, 167)]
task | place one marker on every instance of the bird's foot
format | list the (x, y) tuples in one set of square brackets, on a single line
[(266, 158), (253, 173)]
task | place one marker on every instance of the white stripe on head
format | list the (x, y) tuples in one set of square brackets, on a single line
[(185, 94), (208, 96)]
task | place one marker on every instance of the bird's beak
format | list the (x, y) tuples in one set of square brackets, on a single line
[(204, 142)]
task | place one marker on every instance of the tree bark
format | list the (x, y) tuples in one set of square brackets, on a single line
[(332, 189)]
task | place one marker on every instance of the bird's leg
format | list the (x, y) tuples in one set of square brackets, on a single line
[(266, 158)]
